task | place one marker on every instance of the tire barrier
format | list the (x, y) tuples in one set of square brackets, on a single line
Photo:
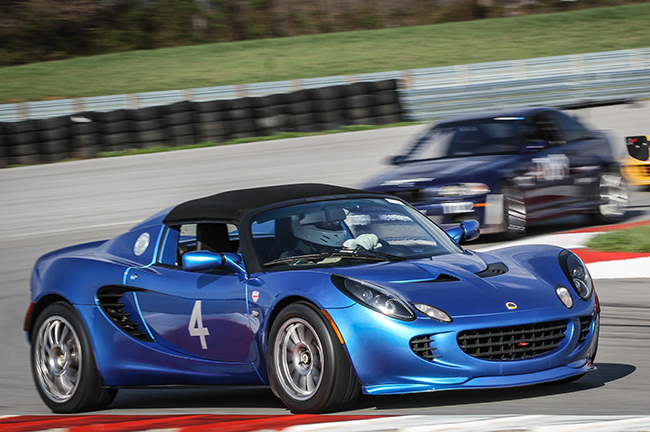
[(86, 134)]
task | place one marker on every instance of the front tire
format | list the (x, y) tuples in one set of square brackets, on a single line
[(612, 198), (514, 213), (63, 364), (308, 368)]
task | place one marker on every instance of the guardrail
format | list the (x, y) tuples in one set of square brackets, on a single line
[(49, 131), (426, 94)]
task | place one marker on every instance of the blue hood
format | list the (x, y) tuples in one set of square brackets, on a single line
[(451, 283)]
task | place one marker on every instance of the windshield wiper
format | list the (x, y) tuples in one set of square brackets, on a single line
[(359, 251), (322, 258)]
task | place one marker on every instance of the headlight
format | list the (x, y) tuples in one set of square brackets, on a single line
[(577, 273), (433, 312), (457, 190), (374, 297)]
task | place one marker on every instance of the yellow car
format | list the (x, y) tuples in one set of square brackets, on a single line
[(635, 171)]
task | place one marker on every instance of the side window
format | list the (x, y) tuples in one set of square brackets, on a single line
[(550, 129), (214, 237), (572, 128)]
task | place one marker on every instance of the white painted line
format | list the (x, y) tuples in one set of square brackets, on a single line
[(63, 230), (622, 269)]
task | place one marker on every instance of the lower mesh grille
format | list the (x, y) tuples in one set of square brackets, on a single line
[(422, 347), (585, 324), (513, 343)]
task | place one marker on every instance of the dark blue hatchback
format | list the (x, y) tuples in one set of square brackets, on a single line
[(508, 169)]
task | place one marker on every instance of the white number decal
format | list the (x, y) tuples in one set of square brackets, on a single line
[(196, 325)]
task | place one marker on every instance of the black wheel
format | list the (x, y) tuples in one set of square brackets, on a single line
[(514, 212), (612, 198), (63, 364), (307, 365)]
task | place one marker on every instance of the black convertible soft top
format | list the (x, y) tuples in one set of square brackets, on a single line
[(232, 205)]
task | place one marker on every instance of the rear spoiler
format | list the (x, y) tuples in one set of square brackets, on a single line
[(637, 146)]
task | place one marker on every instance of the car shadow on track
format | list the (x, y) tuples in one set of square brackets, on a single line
[(254, 400)]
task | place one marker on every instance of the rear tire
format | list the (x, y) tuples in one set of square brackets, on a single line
[(63, 364), (307, 365)]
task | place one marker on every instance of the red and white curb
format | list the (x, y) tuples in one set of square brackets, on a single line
[(316, 423), (601, 265)]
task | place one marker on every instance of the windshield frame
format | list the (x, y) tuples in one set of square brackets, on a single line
[(256, 263), (424, 141)]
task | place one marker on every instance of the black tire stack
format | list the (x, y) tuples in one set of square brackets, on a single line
[(210, 120), (385, 105), (115, 130), (4, 147), (147, 127), (84, 135), (23, 143), (241, 118), (270, 114), (178, 123), (328, 107), (53, 139)]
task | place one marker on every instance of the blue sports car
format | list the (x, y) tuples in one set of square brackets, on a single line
[(322, 292), (509, 169)]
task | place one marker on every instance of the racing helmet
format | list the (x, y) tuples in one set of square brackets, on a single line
[(321, 226)]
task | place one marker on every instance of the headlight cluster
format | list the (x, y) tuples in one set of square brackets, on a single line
[(374, 297), (576, 271), (383, 301), (433, 312), (457, 190)]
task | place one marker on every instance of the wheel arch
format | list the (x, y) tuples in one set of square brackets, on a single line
[(37, 308), (277, 308)]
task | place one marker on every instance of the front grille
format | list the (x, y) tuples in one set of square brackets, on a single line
[(423, 347), (585, 324), (111, 304), (513, 343)]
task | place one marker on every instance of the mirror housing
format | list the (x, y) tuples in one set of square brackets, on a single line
[(465, 231), (396, 160), (637, 147), (203, 260)]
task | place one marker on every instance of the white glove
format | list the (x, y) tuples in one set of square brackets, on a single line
[(366, 241)]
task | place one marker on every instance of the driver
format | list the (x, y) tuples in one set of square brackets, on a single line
[(322, 231), (314, 234)]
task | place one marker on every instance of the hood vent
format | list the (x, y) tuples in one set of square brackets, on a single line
[(442, 277), (494, 269)]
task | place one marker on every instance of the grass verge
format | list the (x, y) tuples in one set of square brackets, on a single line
[(266, 60), (628, 240)]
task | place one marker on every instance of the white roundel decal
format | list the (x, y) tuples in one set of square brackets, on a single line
[(141, 244)]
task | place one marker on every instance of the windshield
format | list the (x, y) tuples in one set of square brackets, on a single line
[(346, 232), (468, 138)]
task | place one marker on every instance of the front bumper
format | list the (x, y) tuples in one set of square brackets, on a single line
[(381, 355)]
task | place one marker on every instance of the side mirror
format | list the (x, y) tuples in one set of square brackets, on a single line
[(637, 147), (466, 231), (203, 260), (396, 160)]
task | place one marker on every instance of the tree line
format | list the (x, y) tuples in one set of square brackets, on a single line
[(42, 30)]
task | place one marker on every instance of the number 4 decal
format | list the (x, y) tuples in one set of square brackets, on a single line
[(196, 325)]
